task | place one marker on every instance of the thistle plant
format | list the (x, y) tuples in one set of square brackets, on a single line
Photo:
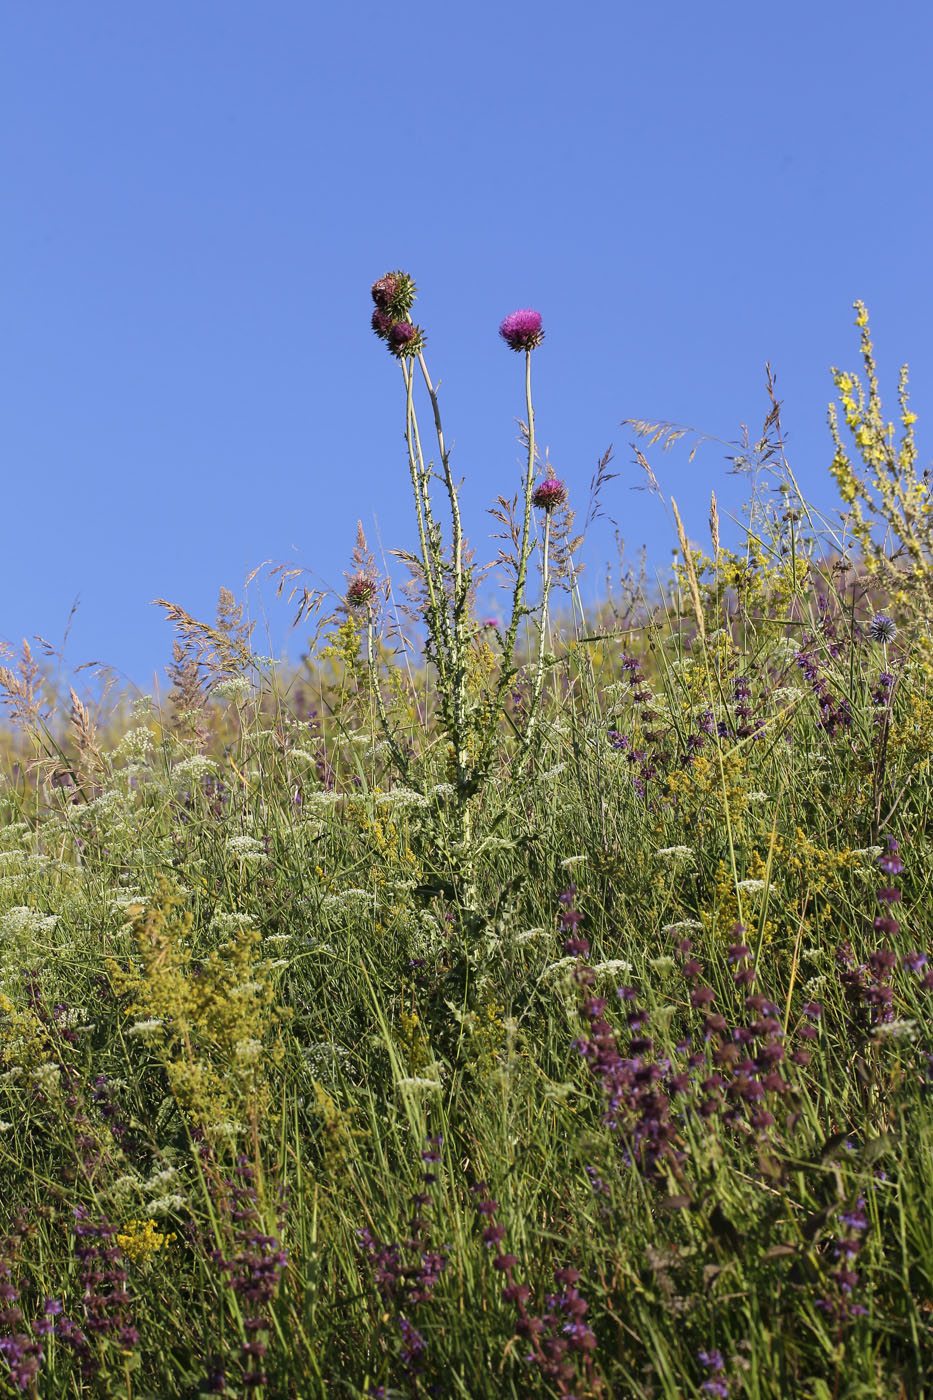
[(445, 574)]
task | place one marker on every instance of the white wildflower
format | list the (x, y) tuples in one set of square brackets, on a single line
[(246, 848), (5, 1127), (529, 935), (554, 772), (135, 746), (248, 1051), (166, 1205), (418, 1083), (144, 1028), (402, 797), (230, 923), (345, 900), (16, 923), (896, 1030), (675, 853), (614, 967), (47, 1077), (752, 886), (682, 926), (560, 966), (757, 797), (235, 688), (191, 770), (71, 1017)]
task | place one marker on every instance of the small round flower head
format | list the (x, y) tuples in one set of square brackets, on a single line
[(360, 591), (521, 330), (382, 323), (395, 294), (549, 494), (882, 629), (405, 339)]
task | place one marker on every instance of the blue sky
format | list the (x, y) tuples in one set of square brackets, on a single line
[(197, 197)]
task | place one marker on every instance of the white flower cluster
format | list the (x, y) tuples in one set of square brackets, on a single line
[(235, 688), (675, 853), (345, 901), (192, 769), (25, 922), (136, 745), (229, 923), (246, 848)]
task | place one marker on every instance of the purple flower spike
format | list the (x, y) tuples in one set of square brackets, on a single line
[(549, 494), (521, 330)]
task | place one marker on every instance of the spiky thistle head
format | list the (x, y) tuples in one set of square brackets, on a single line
[(394, 293), (882, 629), (405, 340), (549, 494), (521, 330), (361, 590)]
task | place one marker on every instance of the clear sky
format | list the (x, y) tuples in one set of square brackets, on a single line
[(197, 196)]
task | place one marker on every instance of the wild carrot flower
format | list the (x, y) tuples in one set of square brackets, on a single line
[(521, 330)]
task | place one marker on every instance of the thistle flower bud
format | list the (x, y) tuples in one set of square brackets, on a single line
[(394, 293), (360, 591), (382, 323), (405, 339)]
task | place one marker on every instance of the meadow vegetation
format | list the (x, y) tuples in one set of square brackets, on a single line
[(494, 1007)]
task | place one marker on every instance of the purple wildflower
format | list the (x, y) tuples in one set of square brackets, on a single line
[(521, 330), (549, 494)]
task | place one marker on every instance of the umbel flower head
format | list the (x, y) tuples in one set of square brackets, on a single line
[(521, 330), (549, 494), (882, 629)]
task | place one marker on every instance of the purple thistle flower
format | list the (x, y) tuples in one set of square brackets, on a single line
[(549, 494), (521, 330), (405, 339)]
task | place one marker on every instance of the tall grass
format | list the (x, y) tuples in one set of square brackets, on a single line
[(547, 1015)]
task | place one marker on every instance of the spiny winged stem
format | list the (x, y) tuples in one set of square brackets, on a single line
[(448, 628), (518, 593), (375, 689), (538, 684)]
